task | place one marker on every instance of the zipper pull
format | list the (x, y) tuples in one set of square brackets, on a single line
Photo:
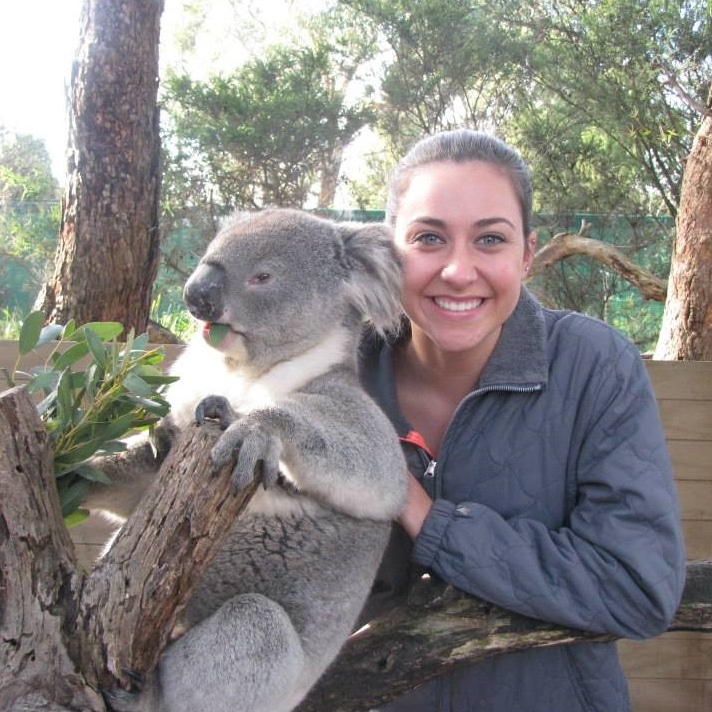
[(430, 470)]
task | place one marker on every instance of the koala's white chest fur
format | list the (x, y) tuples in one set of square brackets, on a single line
[(245, 393)]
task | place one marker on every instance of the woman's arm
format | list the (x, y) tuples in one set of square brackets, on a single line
[(617, 566)]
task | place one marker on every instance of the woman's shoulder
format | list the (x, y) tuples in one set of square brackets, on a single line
[(590, 346)]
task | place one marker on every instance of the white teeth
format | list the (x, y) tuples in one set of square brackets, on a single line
[(457, 306)]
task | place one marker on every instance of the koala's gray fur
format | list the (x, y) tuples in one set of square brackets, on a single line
[(283, 594)]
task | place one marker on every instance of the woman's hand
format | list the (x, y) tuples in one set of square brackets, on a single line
[(416, 509)]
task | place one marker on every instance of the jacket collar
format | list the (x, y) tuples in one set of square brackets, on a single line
[(519, 360), (520, 356)]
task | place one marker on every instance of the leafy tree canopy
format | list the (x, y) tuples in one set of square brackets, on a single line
[(29, 218)]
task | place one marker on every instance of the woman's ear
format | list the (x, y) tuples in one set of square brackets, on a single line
[(529, 251)]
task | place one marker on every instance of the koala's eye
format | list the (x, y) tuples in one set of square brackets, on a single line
[(260, 278)]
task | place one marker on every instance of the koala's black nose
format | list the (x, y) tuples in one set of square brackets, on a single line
[(203, 292)]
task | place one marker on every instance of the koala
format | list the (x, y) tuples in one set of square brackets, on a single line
[(291, 293)]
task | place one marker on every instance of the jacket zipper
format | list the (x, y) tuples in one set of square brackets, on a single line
[(430, 469), (415, 438)]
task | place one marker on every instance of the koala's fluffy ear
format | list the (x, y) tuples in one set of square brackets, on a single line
[(375, 273)]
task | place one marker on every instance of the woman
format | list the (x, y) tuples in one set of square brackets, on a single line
[(539, 475)]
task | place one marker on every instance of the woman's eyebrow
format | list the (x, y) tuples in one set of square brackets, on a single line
[(484, 222)]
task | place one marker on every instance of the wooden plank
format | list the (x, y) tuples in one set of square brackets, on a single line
[(689, 380), (671, 695), (681, 656), (691, 459), (698, 539), (695, 500), (686, 419)]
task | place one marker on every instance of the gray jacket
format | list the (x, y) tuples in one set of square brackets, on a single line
[(553, 497)]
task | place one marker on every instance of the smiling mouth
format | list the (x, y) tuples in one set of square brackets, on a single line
[(450, 305)]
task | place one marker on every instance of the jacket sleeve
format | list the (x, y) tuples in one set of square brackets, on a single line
[(618, 564)]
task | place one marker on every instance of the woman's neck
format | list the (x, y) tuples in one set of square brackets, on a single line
[(431, 383)]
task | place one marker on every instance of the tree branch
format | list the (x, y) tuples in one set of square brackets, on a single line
[(65, 635), (131, 599), (441, 629), (567, 244)]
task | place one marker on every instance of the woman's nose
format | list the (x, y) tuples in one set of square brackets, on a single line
[(460, 268)]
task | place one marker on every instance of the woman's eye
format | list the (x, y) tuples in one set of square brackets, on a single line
[(490, 239), (428, 238)]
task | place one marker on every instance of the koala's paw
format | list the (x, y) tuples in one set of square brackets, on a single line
[(215, 408), (257, 448), (138, 699)]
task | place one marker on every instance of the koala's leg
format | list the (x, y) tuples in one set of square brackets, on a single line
[(246, 657)]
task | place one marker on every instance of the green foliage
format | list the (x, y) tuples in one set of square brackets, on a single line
[(10, 323), (174, 316), (600, 116), (262, 133), (92, 391), (29, 218)]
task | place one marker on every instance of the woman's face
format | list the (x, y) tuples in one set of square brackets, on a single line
[(459, 228)]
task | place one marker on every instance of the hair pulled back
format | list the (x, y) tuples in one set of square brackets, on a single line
[(462, 146)]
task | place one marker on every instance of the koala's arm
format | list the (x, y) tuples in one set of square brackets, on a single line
[(131, 472), (332, 440)]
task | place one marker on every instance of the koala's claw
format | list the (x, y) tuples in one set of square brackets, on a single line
[(136, 678), (140, 697), (215, 408)]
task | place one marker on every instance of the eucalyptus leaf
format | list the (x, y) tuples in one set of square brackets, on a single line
[(76, 517), (118, 427), (69, 328), (42, 380), (140, 343), (92, 473), (152, 406), (136, 385), (30, 332), (72, 496), (74, 353), (112, 447), (67, 460), (105, 330), (65, 400), (87, 409), (96, 347)]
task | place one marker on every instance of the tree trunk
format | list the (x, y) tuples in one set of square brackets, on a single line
[(108, 250), (686, 332), (64, 634)]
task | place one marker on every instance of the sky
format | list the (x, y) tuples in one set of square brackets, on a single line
[(37, 43)]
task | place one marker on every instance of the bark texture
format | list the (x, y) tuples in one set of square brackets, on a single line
[(441, 629), (108, 253), (686, 331), (65, 635)]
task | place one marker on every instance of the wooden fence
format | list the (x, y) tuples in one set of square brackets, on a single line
[(674, 671)]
